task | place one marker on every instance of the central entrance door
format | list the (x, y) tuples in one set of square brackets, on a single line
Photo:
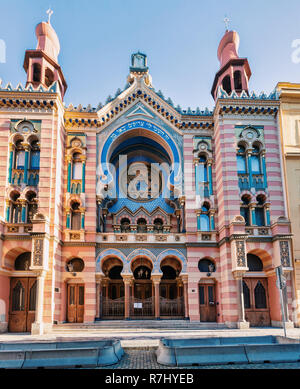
[(142, 304), (22, 304), (75, 310), (207, 299), (256, 301)]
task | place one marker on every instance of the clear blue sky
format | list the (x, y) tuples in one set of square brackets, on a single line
[(180, 38)]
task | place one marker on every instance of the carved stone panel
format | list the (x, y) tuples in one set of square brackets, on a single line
[(240, 253), (284, 253), (37, 252)]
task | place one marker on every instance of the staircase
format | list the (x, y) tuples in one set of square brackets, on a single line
[(138, 325)]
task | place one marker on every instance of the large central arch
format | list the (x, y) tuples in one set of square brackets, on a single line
[(138, 128)]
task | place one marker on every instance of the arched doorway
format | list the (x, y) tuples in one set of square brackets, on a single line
[(255, 291), (75, 292), (207, 291), (112, 296), (171, 289), (142, 301), (22, 302)]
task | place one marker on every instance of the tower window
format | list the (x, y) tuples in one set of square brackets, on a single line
[(226, 83), (49, 77), (36, 72), (237, 80)]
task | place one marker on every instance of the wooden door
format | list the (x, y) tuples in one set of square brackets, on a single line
[(256, 301), (207, 300), (143, 291), (75, 312), (22, 304)]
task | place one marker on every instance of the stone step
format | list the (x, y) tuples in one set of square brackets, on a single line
[(136, 324)]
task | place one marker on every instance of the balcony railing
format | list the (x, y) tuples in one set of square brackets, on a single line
[(257, 181)]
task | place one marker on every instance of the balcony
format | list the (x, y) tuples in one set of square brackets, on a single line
[(257, 181), (258, 231), (112, 237), (18, 177), (18, 228)]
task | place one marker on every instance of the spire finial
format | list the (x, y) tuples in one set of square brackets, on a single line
[(49, 12), (226, 21)]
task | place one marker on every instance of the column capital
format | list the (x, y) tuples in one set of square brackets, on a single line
[(238, 274), (196, 161), (127, 278), (185, 278), (156, 278)]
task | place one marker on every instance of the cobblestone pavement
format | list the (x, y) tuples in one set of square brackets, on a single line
[(145, 358)]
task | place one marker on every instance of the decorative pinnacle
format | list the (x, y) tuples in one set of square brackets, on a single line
[(49, 12)]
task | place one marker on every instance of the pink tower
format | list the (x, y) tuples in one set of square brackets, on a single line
[(234, 72), (41, 64)]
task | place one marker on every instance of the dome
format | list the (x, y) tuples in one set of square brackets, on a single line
[(228, 47), (47, 40)]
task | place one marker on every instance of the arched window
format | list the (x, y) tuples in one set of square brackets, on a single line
[(241, 160), (75, 265), (206, 265), (49, 77), (169, 273), (202, 168), (35, 156), (75, 217), (115, 273), (244, 209), (204, 218), (19, 156), (260, 211), (254, 263), (237, 80), (141, 225), (36, 77), (125, 225), (77, 167), (158, 226), (226, 84), (255, 159), (22, 262)]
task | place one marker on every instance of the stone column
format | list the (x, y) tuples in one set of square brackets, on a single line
[(26, 164), (69, 162), (242, 323), (156, 282), (127, 278), (99, 281), (184, 278), (11, 160), (37, 327), (209, 166)]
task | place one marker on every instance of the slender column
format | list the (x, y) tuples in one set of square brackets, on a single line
[(212, 220), (39, 309), (209, 165), (249, 169), (10, 166), (263, 161), (198, 222), (196, 164), (156, 281), (7, 214), (68, 220), (82, 213), (83, 177), (99, 279), (182, 203), (268, 221), (252, 211), (185, 294), (127, 278), (23, 215), (26, 147), (242, 323), (69, 160)]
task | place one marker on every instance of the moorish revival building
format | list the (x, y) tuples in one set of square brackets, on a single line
[(138, 209)]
